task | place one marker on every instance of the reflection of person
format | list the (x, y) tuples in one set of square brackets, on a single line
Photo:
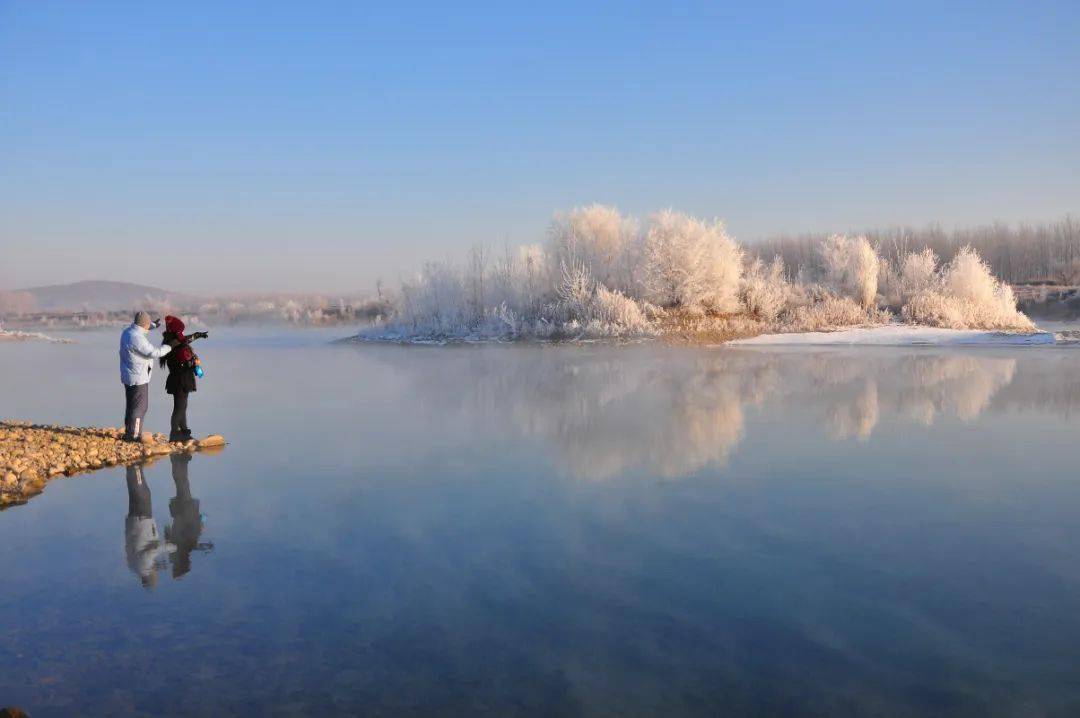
[(136, 361), (141, 542), (183, 533), (181, 381)]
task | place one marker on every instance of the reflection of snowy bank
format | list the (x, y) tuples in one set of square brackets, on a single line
[(899, 335), (607, 412)]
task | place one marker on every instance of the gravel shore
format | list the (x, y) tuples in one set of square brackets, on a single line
[(33, 454)]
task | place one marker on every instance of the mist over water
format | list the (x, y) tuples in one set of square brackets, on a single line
[(550, 529)]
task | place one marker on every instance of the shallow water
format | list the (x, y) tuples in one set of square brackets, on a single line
[(556, 530)]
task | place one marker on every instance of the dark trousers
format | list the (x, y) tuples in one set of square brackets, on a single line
[(136, 401), (178, 423)]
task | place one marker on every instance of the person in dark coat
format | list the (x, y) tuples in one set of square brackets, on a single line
[(181, 362)]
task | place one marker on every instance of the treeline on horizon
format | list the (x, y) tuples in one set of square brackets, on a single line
[(308, 309), (602, 273), (1042, 253)]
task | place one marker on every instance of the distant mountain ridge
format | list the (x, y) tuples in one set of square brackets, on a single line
[(102, 295)]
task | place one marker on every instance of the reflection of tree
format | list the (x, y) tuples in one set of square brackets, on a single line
[(1050, 384), (958, 385), (858, 417), (914, 388), (672, 413), (670, 426), (608, 412)]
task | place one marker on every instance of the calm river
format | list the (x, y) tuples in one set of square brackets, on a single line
[(555, 530)]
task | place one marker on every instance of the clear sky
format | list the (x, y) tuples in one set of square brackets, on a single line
[(316, 145)]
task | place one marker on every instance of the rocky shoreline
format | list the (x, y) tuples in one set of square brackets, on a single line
[(33, 454)]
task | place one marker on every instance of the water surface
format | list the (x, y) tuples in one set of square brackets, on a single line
[(555, 530)]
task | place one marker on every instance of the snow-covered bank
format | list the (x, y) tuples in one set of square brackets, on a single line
[(17, 336), (898, 335)]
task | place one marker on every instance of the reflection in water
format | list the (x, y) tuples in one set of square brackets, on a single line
[(187, 522), (146, 552), (958, 385), (676, 413), (141, 542), (858, 417), (663, 415)]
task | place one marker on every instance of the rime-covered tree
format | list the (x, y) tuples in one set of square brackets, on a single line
[(691, 264)]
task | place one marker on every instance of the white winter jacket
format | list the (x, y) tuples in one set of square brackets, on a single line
[(137, 355)]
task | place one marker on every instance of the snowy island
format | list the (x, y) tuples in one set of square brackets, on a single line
[(601, 275)]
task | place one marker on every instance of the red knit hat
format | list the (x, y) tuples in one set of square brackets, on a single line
[(174, 325)]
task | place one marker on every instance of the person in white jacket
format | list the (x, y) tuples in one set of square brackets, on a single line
[(137, 356)]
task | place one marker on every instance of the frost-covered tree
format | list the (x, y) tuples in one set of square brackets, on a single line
[(598, 238), (582, 301), (967, 277), (476, 270), (850, 267), (832, 312), (435, 301), (966, 295), (765, 290), (918, 273), (1016, 253), (690, 264), (521, 280)]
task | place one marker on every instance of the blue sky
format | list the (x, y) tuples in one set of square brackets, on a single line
[(301, 146)]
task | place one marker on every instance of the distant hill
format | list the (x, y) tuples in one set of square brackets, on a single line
[(102, 296)]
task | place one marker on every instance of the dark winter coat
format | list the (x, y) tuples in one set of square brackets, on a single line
[(181, 377)]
